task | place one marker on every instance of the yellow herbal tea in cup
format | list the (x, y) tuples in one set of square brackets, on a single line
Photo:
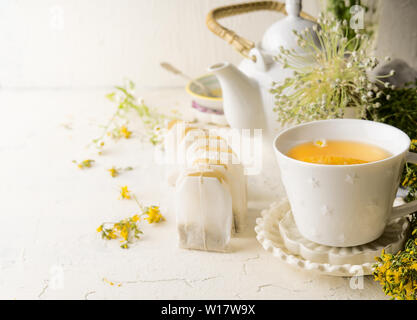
[(337, 152), (344, 205)]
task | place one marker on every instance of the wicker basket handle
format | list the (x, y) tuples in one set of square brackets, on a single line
[(242, 45)]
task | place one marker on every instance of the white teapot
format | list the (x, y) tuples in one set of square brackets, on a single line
[(247, 101)]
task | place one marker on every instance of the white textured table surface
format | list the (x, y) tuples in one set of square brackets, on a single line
[(49, 212)]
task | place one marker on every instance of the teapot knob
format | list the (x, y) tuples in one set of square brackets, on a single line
[(293, 7), (259, 59)]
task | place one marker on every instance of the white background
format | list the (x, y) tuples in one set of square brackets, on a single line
[(96, 43), (68, 53)]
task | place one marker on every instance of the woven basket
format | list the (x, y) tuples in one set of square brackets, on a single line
[(242, 45)]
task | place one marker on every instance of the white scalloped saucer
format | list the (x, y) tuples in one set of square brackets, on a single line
[(275, 231)]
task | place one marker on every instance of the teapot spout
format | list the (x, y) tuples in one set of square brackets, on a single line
[(242, 102)]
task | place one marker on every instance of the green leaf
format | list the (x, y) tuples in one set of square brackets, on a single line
[(110, 96)]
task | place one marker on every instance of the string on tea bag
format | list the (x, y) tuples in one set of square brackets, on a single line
[(202, 212)]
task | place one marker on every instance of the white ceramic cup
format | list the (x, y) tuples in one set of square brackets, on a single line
[(344, 205)]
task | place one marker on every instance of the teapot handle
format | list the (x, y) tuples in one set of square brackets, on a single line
[(242, 45)]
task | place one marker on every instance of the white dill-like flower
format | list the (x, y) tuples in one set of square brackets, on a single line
[(321, 87)]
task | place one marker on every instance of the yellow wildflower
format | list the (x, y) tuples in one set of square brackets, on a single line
[(396, 272), (126, 229), (125, 132), (320, 143), (409, 289), (413, 145), (109, 282), (84, 164), (124, 233), (111, 235), (125, 193), (389, 276), (154, 215), (113, 172)]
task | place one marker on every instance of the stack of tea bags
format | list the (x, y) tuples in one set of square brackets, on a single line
[(210, 185)]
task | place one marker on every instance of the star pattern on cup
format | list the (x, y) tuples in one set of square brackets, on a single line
[(326, 211), (373, 205), (390, 172), (374, 202), (314, 183), (351, 178)]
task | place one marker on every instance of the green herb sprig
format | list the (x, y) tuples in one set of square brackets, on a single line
[(126, 102), (397, 273), (341, 11), (128, 229), (398, 108)]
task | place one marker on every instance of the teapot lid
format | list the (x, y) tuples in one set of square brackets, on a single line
[(281, 32)]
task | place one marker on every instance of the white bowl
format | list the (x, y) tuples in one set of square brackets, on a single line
[(207, 109)]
